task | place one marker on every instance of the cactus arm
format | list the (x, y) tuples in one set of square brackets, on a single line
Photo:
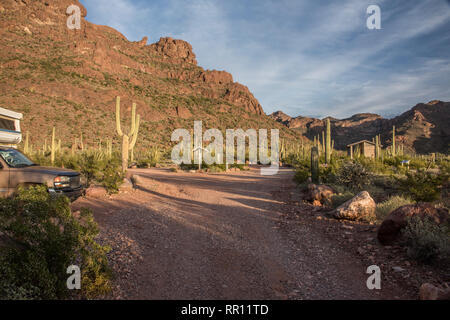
[(135, 134), (119, 129), (133, 120)]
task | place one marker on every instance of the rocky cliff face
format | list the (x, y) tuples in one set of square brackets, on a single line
[(69, 78), (425, 128)]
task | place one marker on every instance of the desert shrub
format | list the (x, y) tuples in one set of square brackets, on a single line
[(338, 199), (354, 176), (422, 185), (393, 161), (327, 174), (302, 174), (215, 168), (374, 166), (46, 239), (94, 165), (417, 164), (426, 241), (150, 159), (89, 164), (389, 205), (110, 176)]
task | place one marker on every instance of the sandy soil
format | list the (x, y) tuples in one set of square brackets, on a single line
[(237, 235)]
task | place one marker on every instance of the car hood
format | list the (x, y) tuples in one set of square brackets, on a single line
[(49, 170)]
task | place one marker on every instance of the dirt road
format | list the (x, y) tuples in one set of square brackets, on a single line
[(223, 236)]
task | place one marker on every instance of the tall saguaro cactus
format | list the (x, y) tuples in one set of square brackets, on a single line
[(53, 147), (315, 164), (109, 148), (26, 148), (323, 141), (127, 145), (393, 141), (377, 147), (328, 143)]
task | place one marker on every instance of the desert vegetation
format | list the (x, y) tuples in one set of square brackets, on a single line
[(40, 237), (392, 177)]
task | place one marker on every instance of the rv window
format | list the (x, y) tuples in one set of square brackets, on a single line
[(7, 124)]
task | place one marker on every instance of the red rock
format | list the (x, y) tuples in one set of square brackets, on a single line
[(319, 193), (177, 49), (390, 229), (428, 291), (360, 207)]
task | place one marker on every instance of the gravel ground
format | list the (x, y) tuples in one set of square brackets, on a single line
[(237, 235)]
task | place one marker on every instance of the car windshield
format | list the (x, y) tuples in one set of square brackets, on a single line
[(15, 159)]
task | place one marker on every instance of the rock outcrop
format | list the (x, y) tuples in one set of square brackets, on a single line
[(319, 194), (428, 291), (75, 75), (390, 229), (175, 49), (360, 207)]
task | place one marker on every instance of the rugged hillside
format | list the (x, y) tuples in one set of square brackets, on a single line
[(425, 128), (69, 78)]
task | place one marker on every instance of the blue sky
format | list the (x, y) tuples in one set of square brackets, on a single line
[(310, 58)]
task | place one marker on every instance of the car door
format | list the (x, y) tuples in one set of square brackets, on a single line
[(4, 179)]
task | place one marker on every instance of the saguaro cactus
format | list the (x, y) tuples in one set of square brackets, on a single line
[(26, 147), (126, 144), (377, 147), (328, 143), (323, 141), (315, 164), (53, 147), (393, 141), (109, 148), (81, 142)]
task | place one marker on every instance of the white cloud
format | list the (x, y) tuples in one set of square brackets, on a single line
[(302, 56)]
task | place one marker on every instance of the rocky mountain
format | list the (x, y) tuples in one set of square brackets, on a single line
[(70, 78), (425, 128)]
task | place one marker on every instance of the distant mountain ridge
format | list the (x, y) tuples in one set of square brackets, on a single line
[(70, 78), (424, 128)]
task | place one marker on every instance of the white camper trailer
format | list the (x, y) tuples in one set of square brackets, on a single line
[(10, 134)]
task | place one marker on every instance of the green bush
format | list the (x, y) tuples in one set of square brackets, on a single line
[(150, 159), (422, 185), (426, 241), (302, 174), (110, 176), (45, 239), (386, 207), (354, 176), (338, 199), (94, 165)]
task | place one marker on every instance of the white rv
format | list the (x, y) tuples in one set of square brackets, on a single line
[(10, 134)]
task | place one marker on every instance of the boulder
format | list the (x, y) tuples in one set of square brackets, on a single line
[(428, 291), (175, 49), (96, 192), (319, 193), (390, 230), (360, 207)]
